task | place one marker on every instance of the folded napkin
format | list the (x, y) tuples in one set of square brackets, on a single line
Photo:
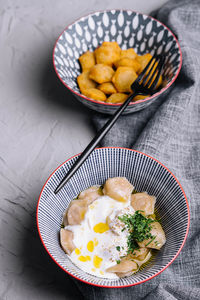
[(169, 130)]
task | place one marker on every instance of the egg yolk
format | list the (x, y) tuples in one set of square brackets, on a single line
[(97, 261), (77, 251), (84, 258), (121, 199), (95, 242), (90, 246), (101, 227), (82, 215)]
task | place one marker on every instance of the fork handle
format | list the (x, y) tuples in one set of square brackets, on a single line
[(101, 133)]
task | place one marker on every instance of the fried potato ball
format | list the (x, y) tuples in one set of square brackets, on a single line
[(87, 60), (140, 97), (107, 88), (107, 53), (117, 98), (99, 79), (101, 73), (84, 82), (128, 62), (143, 60), (95, 94), (123, 78), (130, 53), (113, 45)]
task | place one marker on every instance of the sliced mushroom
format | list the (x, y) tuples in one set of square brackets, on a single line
[(124, 274), (158, 239), (75, 213), (66, 240), (143, 202), (118, 188), (139, 254), (124, 266), (90, 194)]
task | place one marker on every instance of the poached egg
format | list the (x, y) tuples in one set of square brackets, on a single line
[(99, 239)]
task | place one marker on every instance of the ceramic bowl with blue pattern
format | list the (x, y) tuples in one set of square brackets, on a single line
[(130, 30), (146, 174)]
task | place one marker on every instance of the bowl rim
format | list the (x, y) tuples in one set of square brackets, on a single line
[(122, 286), (118, 104)]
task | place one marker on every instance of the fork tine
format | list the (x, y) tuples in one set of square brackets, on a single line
[(153, 82), (148, 83), (140, 77), (149, 71)]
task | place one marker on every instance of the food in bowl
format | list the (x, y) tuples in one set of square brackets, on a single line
[(109, 71), (109, 231), (130, 30), (146, 174)]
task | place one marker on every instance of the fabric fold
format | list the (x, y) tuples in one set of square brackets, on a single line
[(168, 130)]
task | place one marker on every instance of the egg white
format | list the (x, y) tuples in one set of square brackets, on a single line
[(98, 212)]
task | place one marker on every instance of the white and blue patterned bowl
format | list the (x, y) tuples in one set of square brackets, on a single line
[(129, 29), (146, 174)]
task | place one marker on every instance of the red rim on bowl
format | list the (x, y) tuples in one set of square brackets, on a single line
[(117, 104), (142, 281)]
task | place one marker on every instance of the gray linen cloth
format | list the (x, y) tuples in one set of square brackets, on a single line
[(169, 130)]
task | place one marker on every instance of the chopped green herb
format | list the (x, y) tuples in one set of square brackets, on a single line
[(123, 248), (118, 248), (132, 244), (77, 196), (100, 190), (158, 220), (123, 229), (153, 238), (62, 225), (118, 261), (134, 191), (139, 228)]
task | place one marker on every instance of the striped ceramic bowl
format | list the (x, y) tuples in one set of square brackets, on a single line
[(146, 174), (131, 30)]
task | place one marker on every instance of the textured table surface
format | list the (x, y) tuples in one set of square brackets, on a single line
[(41, 125)]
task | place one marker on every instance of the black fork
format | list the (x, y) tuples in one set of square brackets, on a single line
[(145, 84)]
